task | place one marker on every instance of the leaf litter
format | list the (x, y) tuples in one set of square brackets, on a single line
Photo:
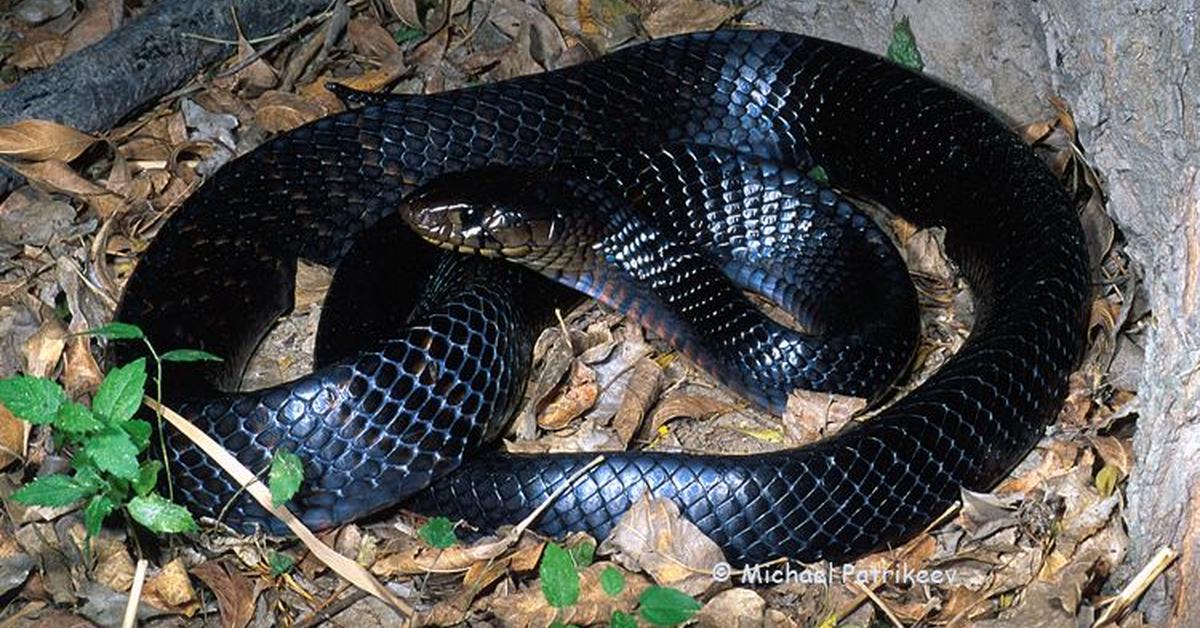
[(1039, 548)]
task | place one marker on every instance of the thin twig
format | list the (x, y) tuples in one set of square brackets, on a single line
[(879, 603), (562, 488), (1137, 586), (346, 568), (277, 39), (327, 613), (135, 594)]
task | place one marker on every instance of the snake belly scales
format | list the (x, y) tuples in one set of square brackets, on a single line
[(422, 355)]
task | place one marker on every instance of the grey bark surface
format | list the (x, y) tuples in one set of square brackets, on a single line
[(102, 84), (1130, 71)]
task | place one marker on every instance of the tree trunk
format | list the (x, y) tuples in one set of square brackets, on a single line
[(1126, 67)]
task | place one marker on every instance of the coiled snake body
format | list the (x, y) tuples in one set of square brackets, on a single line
[(422, 356)]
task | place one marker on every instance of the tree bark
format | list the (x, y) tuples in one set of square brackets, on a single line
[(95, 88), (1131, 71)]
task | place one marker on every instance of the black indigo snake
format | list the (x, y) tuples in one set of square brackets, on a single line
[(378, 424)]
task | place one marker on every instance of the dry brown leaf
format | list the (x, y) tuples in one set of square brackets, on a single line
[(641, 392), (114, 565), (14, 436), (1114, 451), (579, 395), (58, 176), (672, 17), (38, 49), (810, 416), (546, 41), (413, 558), (98, 19), (735, 607), (42, 140), (653, 537), (44, 348), (277, 111), (688, 405), (254, 78), (234, 592), (81, 373), (171, 590), (406, 11), (370, 39), (528, 606)]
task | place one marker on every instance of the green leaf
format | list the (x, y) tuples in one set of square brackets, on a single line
[(438, 532), (147, 477), (818, 174), (51, 490), (76, 418), (86, 474), (120, 394), (94, 513), (612, 581), (114, 452), (1107, 479), (407, 34), (160, 515), (34, 399), (560, 581), (139, 431), (664, 606), (622, 620), (903, 47), (117, 331), (284, 479), (583, 554), (188, 355), (280, 563)]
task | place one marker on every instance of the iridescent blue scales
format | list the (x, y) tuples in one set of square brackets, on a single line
[(668, 237), (412, 381)]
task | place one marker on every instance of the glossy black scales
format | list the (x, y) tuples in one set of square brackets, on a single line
[(221, 270)]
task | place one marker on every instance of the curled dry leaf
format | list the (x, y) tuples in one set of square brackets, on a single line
[(644, 383), (578, 396), (412, 558), (253, 77), (672, 17), (114, 565), (42, 140), (810, 416), (735, 607), (277, 111), (14, 436), (234, 592), (653, 537), (99, 18), (370, 39), (171, 590), (1115, 452), (30, 217), (38, 49), (58, 176), (44, 348), (683, 404), (81, 372), (528, 607)]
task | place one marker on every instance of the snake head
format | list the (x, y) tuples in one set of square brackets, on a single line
[(527, 217)]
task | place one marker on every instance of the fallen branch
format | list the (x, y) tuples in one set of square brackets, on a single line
[(97, 87)]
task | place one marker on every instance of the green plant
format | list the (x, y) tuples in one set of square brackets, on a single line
[(106, 441)]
